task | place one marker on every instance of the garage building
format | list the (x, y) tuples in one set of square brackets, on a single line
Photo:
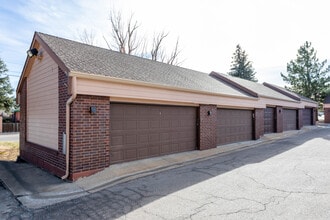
[(84, 108)]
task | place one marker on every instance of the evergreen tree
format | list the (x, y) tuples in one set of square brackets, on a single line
[(241, 67), (306, 75), (6, 101)]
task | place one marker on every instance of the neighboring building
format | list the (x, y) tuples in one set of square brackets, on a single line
[(83, 108), (326, 107)]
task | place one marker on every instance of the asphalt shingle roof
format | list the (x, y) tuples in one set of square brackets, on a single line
[(299, 97), (99, 61), (258, 88)]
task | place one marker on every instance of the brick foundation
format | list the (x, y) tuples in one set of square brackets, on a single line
[(207, 128)]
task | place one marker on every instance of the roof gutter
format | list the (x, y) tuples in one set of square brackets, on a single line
[(67, 124)]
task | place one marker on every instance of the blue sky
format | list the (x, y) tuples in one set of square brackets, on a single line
[(209, 30)]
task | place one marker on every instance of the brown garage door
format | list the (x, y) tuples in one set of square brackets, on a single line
[(269, 120), (143, 131), (289, 119), (307, 116), (234, 126)]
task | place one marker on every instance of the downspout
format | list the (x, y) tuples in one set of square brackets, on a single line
[(67, 124)]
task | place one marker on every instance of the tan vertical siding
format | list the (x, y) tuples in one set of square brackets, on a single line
[(42, 103)]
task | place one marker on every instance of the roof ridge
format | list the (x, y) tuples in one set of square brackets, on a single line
[(225, 79), (282, 91)]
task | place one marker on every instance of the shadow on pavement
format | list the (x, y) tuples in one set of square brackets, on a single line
[(118, 200)]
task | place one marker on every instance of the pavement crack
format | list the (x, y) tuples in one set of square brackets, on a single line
[(285, 191)]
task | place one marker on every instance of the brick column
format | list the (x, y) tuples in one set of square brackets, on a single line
[(207, 129), (258, 121), (300, 118), (89, 135), (327, 114), (279, 119), (314, 116), (0, 123), (326, 108)]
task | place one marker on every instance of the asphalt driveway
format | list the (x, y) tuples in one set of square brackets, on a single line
[(283, 179)]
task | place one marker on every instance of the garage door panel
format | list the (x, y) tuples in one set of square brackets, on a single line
[(145, 131), (117, 125), (165, 149), (131, 125), (130, 153), (117, 140), (289, 119), (307, 116), (143, 138), (143, 152), (154, 138), (165, 136), (143, 124), (165, 123), (117, 155), (131, 139), (234, 125)]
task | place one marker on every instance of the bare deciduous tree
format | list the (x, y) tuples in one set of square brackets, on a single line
[(173, 59), (87, 37), (125, 39), (157, 51), (124, 35)]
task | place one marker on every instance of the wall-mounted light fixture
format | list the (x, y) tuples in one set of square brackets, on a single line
[(32, 52), (209, 113), (92, 110)]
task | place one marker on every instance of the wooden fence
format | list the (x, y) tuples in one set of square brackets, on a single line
[(10, 127)]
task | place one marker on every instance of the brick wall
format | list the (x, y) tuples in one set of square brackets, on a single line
[(89, 136), (258, 123), (279, 119), (207, 126)]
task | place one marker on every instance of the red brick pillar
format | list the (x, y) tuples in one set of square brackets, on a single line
[(0, 123), (207, 129), (326, 108), (300, 118), (89, 135), (279, 119), (314, 116), (258, 120)]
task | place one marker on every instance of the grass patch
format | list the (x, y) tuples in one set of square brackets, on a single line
[(9, 144)]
